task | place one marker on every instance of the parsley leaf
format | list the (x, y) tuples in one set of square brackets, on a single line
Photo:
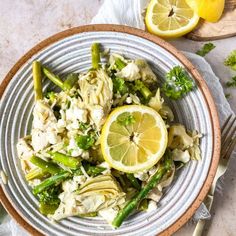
[(207, 47), (232, 82), (231, 60), (126, 119), (178, 83), (85, 141)]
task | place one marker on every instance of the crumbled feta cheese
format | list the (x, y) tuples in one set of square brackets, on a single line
[(69, 185), (151, 206), (61, 123), (80, 114), (43, 116), (130, 72), (128, 100), (68, 206), (97, 115), (74, 149), (105, 165), (39, 140), (75, 113), (23, 149), (52, 137), (76, 152)]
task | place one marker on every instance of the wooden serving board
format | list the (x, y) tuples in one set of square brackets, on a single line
[(224, 28)]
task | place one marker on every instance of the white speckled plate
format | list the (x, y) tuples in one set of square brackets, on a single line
[(67, 52)]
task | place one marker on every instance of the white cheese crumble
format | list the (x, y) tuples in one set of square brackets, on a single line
[(130, 72), (151, 206)]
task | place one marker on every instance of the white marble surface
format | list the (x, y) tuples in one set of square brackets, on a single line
[(25, 23)]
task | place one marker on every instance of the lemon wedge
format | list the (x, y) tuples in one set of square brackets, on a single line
[(170, 18), (210, 10), (134, 138)]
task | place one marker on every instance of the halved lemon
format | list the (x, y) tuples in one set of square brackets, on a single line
[(134, 138), (170, 18), (210, 10)]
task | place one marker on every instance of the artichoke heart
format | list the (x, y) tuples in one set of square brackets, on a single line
[(99, 193)]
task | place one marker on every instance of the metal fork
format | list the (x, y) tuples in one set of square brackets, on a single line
[(228, 137)]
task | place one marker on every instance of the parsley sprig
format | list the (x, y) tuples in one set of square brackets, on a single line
[(231, 60), (178, 83), (207, 47)]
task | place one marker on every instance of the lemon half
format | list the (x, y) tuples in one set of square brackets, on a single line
[(170, 18), (136, 145), (210, 10)]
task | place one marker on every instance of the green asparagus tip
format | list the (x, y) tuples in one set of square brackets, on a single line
[(37, 77), (95, 52)]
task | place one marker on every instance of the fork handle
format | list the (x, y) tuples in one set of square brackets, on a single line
[(201, 223), (199, 228)]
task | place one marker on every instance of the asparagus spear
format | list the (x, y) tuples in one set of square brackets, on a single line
[(71, 162), (144, 90), (91, 170), (45, 165), (133, 181), (70, 81), (165, 166), (37, 77), (95, 52), (35, 173), (54, 78), (120, 64), (53, 180)]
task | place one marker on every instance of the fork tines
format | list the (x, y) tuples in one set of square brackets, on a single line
[(228, 136)]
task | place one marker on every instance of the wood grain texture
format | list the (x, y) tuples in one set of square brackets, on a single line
[(224, 28)]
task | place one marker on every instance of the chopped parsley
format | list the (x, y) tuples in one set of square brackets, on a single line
[(207, 47), (178, 83), (231, 60), (126, 119), (85, 141)]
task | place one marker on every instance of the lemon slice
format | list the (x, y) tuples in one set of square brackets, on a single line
[(133, 138), (208, 9), (170, 18)]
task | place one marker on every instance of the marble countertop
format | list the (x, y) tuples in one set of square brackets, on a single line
[(25, 23)]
